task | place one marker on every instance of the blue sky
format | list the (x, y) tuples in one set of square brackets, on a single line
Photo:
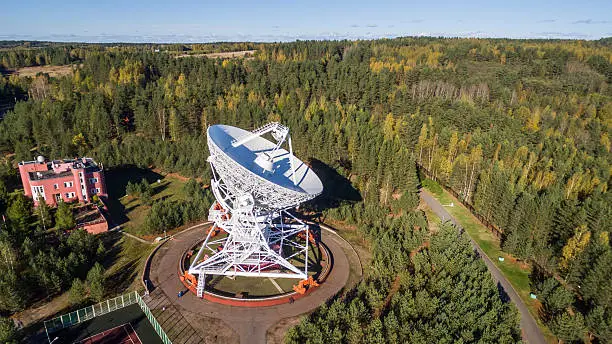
[(206, 21)]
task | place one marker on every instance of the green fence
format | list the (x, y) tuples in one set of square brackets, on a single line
[(154, 323), (91, 312), (105, 307)]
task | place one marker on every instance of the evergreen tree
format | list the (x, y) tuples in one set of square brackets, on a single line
[(64, 218), (599, 322), (8, 333), (12, 297), (95, 282), (19, 211), (596, 286), (77, 291), (568, 327)]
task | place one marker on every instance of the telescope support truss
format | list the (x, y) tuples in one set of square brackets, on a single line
[(261, 241)]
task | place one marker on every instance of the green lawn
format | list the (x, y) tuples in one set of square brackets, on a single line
[(128, 211), (250, 285), (124, 262), (516, 272), (126, 256)]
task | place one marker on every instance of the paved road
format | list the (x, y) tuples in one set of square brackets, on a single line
[(531, 331), (251, 324)]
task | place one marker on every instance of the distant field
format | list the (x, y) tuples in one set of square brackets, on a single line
[(230, 54), (59, 71), (53, 71)]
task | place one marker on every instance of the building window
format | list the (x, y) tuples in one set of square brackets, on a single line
[(56, 186), (95, 191), (93, 180), (58, 197), (70, 195), (38, 192), (68, 184)]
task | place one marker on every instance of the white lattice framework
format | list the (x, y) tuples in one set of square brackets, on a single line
[(262, 235)]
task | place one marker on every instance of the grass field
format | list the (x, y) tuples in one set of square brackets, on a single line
[(124, 262), (130, 212), (53, 71), (515, 271)]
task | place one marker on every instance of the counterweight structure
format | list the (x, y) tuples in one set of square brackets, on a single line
[(255, 182)]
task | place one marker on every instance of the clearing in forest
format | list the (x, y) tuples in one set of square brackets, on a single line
[(53, 71)]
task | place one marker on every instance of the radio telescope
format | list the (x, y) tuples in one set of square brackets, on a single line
[(255, 182)]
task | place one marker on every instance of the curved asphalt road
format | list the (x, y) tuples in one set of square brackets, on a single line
[(531, 331)]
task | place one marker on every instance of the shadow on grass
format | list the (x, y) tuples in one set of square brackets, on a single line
[(116, 182), (113, 248), (122, 278), (117, 249)]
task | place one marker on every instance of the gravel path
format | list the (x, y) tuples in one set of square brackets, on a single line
[(531, 331)]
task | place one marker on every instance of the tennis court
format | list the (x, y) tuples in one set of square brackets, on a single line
[(127, 325), (123, 334)]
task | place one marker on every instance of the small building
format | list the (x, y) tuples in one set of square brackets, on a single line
[(91, 218), (65, 180)]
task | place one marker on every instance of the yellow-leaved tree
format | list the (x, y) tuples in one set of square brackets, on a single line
[(388, 127), (575, 245)]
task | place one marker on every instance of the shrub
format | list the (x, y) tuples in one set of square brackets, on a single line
[(432, 186)]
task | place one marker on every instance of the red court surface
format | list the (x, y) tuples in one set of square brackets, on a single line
[(123, 334)]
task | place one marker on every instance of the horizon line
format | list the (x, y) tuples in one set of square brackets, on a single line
[(262, 39)]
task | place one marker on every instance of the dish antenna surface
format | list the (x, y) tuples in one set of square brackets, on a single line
[(255, 181)]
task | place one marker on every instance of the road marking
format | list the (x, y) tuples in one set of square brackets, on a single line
[(280, 290)]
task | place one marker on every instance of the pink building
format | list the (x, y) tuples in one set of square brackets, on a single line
[(67, 180)]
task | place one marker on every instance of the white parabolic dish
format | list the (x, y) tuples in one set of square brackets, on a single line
[(255, 183), (266, 186)]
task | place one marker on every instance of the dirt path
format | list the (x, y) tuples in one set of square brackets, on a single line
[(43, 311), (531, 331), (134, 237), (251, 324)]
